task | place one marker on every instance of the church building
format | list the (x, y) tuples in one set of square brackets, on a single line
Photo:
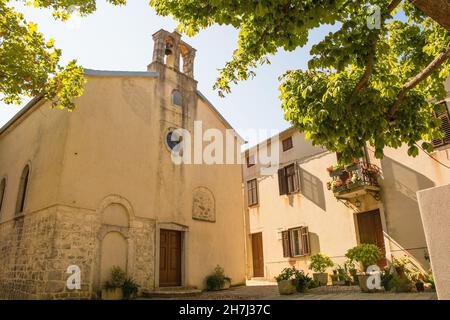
[(97, 187)]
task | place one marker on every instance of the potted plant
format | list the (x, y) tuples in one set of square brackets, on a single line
[(120, 286), (352, 166), (418, 278), (337, 186), (400, 283), (386, 277), (351, 270), (366, 255), (336, 170), (400, 265), (302, 281), (129, 288), (217, 280), (285, 282), (429, 281), (319, 263)]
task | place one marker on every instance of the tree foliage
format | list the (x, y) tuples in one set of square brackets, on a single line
[(30, 64), (363, 85), (357, 88)]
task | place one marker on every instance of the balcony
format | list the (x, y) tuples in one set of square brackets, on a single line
[(354, 180)]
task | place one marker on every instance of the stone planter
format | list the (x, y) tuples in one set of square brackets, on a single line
[(321, 278), (362, 279), (112, 294), (286, 287)]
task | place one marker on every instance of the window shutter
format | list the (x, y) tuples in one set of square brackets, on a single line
[(445, 127), (297, 177), (282, 183), (286, 244), (306, 246)]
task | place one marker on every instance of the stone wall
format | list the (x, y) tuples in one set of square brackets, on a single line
[(37, 248)]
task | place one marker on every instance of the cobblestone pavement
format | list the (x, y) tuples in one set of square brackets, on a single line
[(269, 291)]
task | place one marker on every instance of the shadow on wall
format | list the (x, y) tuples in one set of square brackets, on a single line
[(403, 220), (312, 188), (314, 243)]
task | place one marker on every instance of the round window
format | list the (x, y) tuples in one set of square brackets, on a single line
[(173, 139)]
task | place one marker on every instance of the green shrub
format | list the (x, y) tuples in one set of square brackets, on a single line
[(130, 288), (320, 262), (119, 279), (386, 277), (400, 284), (366, 254), (302, 280), (286, 274), (216, 280)]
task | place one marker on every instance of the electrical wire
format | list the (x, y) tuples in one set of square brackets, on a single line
[(442, 164)]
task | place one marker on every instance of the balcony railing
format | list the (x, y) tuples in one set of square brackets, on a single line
[(354, 177)]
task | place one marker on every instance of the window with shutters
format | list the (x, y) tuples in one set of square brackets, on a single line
[(287, 144), (445, 127), (296, 242), (250, 161), (288, 179), (252, 192)]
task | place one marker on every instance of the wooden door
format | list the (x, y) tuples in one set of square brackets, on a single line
[(371, 231), (170, 258), (258, 257)]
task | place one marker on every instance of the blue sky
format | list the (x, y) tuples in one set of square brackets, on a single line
[(119, 38)]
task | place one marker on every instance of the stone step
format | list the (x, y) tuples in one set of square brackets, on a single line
[(171, 292)]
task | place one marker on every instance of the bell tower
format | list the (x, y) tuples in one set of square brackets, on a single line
[(169, 50)]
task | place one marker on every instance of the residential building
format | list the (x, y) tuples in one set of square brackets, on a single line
[(292, 214)]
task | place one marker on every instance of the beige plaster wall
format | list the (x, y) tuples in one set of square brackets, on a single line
[(111, 152), (435, 211)]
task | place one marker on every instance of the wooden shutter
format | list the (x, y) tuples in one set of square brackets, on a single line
[(287, 144), (445, 127), (286, 244), (306, 246), (297, 177), (282, 183)]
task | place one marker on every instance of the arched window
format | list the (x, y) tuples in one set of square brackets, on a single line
[(2, 194), (23, 184), (177, 98)]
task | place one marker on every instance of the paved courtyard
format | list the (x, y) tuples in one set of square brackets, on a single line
[(255, 290)]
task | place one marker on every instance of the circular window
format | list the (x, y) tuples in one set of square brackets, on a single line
[(173, 139)]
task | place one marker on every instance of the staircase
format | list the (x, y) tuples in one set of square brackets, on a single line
[(171, 292)]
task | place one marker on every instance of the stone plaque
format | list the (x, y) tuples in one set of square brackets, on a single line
[(203, 207)]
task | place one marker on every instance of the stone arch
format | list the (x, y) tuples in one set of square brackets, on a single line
[(113, 252), (115, 215), (204, 205), (117, 200), (114, 244)]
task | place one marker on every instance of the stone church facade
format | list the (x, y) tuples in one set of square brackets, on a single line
[(97, 187)]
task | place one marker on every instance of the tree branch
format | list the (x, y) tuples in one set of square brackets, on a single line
[(425, 73), (371, 57)]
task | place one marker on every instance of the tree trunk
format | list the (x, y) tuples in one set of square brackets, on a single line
[(438, 10)]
